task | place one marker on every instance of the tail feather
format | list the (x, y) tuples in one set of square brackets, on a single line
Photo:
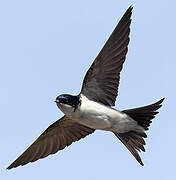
[(144, 115), (134, 141)]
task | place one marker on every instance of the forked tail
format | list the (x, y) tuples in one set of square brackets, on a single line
[(134, 140)]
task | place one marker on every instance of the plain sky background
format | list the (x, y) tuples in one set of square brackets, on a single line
[(46, 47)]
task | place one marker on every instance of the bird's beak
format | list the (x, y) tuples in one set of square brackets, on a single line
[(56, 101)]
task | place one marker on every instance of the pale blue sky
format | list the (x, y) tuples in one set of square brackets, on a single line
[(46, 48)]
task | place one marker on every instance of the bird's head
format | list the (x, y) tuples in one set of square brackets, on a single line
[(67, 103)]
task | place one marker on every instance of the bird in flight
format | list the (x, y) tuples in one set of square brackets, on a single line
[(92, 108)]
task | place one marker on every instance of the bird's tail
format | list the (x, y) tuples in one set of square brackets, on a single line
[(143, 116)]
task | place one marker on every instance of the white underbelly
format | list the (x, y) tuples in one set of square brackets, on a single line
[(99, 116), (94, 121), (96, 115)]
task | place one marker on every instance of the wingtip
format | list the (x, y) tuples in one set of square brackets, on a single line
[(10, 167), (129, 11), (14, 165), (131, 7), (160, 101), (142, 164), (139, 161)]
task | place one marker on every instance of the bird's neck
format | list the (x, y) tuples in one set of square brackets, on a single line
[(77, 102)]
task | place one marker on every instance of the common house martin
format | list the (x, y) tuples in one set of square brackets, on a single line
[(92, 108)]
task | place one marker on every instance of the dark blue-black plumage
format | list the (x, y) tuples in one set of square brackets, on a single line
[(68, 99)]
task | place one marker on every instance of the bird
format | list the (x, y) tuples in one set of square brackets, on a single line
[(92, 109)]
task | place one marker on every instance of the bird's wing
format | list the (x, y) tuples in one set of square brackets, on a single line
[(56, 137), (102, 79)]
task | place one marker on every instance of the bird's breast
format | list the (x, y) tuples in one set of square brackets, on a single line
[(95, 115)]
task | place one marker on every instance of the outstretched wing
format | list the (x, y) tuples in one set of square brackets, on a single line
[(56, 137), (102, 79)]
